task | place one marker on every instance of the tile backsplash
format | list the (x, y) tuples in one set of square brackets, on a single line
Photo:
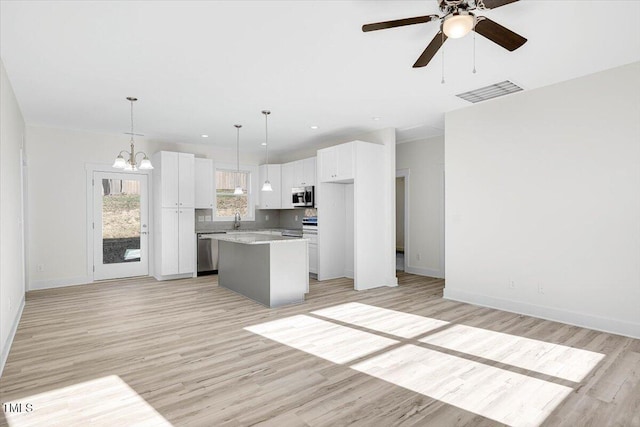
[(291, 218), (265, 218)]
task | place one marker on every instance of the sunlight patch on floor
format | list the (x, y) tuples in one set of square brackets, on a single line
[(392, 322), (498, 394), (106, 401), (570, 363), (335, 343), (503, 394)]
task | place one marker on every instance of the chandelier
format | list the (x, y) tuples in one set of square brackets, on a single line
[(130, 163)]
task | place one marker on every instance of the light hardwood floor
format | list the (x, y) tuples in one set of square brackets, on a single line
[(191, 353)]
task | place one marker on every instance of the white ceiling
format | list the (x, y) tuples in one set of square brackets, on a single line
[(199, 67)]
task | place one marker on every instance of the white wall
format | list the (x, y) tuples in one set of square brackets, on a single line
[(424, 244), (12, 283), (543, 190), (57, 195)]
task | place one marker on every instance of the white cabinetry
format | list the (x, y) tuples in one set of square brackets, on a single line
[(176, 179), (351, 188), (313, 251), (287, 185), (203, 183), (270, 199), (304, 172), (336, 163), (301, 173), (174, 215), (177, 250)]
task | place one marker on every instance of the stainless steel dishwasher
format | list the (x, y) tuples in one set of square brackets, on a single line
[(208, 253)]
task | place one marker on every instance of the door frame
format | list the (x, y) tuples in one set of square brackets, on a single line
[(90, 168), (405, 173)]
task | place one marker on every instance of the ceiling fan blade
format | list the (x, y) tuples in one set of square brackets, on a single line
[(499, 34), (492, 4), (399, 23), (431, 50)]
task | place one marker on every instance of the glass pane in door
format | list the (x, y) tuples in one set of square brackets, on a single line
[(120, 221)]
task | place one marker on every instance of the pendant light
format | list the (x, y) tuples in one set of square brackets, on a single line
[(267, 185), (130, 163), (238, 190)]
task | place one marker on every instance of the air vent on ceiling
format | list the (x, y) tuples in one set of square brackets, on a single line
[(488, 92)]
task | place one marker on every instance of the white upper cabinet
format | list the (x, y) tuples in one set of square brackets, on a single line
[(307, 172), (287, 185), (186, 180), (304, 172), (169, 178), (204, 183), (301, 173), (176, 179), (336, 163), (270, 199)]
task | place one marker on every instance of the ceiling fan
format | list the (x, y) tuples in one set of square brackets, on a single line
[(458, 20)]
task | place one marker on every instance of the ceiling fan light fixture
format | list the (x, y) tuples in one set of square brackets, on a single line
[(458, 24)]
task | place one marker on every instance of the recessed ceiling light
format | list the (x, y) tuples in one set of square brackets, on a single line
[(314, 127), (263, 143), (204, 136), (375, 118)]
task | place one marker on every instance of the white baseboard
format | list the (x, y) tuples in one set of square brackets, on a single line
[(59, 283), (161, 278), (429, 272), (12, 334), (598, 323)]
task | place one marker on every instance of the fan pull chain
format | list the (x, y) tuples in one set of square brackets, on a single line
[(442, 47), (474, 48)]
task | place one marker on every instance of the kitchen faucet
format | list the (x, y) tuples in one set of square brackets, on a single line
[(236, 221)]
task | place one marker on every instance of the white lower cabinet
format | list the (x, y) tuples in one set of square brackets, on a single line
[(313, 258), (313, 251), (176, 241)]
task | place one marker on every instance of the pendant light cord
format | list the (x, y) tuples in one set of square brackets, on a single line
[(266, 138), (238, 155), (474, 45), (131, 118), (238, 149), (131, 101)]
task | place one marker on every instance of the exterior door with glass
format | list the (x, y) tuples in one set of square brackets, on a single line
[(120, 225)]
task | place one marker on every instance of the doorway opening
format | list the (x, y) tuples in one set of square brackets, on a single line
[(402, 221)]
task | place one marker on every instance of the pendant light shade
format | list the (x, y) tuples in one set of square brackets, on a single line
[(129, 164), (267, 185), (238, 191)]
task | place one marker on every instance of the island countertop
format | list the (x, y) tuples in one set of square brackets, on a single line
[(254, 238)]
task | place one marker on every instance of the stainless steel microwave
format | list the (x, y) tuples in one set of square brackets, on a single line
[(302, 196)]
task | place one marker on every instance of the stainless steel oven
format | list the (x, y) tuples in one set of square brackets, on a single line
[(302, 196)]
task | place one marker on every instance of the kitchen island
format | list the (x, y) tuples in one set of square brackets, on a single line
[(269, 269)]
